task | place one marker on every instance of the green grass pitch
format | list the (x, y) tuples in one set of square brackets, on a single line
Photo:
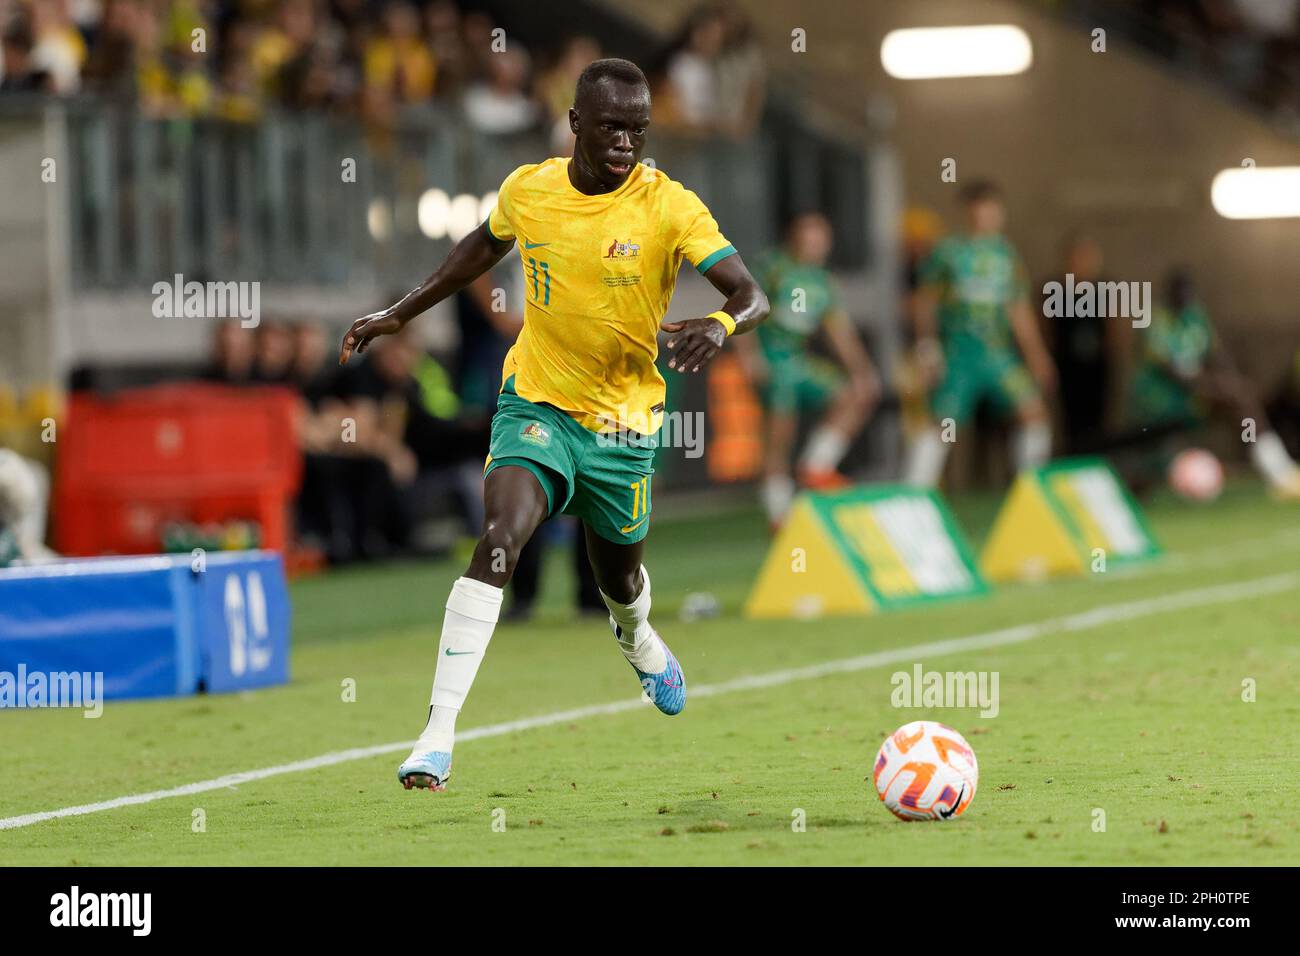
[(1142, 719)]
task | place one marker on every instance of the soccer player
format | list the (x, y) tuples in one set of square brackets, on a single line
[(804, 301), (977, 339), (600, 239), (1184, 372)]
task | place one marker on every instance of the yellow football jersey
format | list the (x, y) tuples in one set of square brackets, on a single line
[(599, 272)]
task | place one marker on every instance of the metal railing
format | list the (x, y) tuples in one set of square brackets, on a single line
[(312, 199)]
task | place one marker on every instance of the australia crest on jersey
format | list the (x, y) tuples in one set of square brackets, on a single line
[(623, 250)]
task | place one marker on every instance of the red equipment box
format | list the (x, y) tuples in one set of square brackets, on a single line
[(129, 464)]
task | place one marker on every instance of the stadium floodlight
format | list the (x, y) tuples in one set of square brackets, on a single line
[(379, 219), (1257, 192), (432, 212), (462, 216), (440, 216), (926, 53)]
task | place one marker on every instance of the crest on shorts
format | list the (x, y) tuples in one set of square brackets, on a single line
[(535, 434)]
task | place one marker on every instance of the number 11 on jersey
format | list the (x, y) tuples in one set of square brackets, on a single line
[(546, 279)]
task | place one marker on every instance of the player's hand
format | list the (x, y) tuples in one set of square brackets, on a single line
[(365, 329), (695, 342)]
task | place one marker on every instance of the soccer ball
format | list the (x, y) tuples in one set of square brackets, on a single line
[(1196, 475), (926, 771)]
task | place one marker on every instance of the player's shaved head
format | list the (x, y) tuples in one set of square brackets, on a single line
[(610, 70), (611, 110)]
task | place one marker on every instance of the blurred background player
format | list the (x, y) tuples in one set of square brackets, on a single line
[(24, 498), (1284, 410), (791, 379), (977, 339), (1184, 373), (1091, 353)]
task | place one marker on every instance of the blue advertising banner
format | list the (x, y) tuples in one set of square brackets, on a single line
[(143, 626), (243, 621)]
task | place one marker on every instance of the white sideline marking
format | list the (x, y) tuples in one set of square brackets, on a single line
[(1214, 556), (1107, 614)]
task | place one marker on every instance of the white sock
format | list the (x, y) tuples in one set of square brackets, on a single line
[(637, 640), (1032, 446), (925, 459), (439, 733), (1270, 458), (472, 611), (825, 449), (777, 494)]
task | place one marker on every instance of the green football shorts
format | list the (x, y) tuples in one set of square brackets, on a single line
[(1157, 398), (603, 480), (973, 375), (798, 383)]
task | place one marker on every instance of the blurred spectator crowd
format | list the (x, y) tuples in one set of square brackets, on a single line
[(235, 59), (1253, 44), (382, 438), (393, 443)]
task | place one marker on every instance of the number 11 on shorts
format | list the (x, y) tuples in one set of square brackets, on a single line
[(640, 497)]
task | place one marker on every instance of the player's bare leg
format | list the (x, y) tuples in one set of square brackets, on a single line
[(514, 506), (1032, 444), (778, 484), (926, 455), (617, 566), (625, 586), (1268, 454), (847, 412)]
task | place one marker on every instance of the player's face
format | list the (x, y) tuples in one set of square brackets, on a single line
[(610, 125), (987, 216), (1085, 258), (810, 240)]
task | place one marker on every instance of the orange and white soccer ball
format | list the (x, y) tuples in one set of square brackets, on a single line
[(926, 771), (1196, 475)]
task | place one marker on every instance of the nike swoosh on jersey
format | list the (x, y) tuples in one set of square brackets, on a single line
[(534, 245), (632, 527)]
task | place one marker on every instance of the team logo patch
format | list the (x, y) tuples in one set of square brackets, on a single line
[(535, 434), (623, 250)]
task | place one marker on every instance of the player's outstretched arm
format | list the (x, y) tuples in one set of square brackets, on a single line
[(696, 341), (470, 258)]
